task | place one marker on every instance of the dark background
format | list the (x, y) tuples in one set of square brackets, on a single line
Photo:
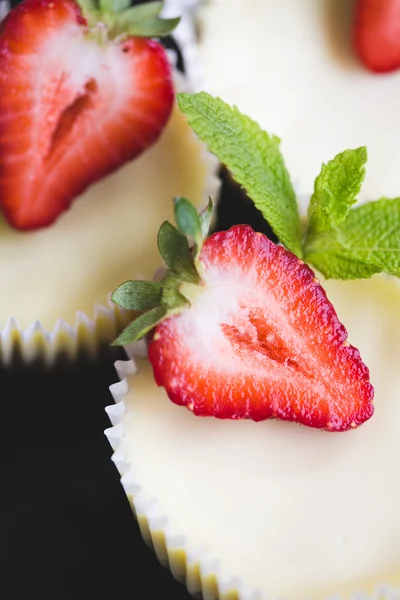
[(66, 529)]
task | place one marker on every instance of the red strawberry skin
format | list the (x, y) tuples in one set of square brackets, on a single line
[(261, 341), (377, 34), (71, 110)]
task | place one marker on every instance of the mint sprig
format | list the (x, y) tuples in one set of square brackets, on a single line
[(351, 243), (335, 190), (341, 241), (253, 157), (367, 242)]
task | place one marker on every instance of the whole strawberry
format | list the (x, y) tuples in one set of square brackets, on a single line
[(82, 91), (377, 34), (243, 329)]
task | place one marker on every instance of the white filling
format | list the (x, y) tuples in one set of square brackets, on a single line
[(289, 64), (293, 511)]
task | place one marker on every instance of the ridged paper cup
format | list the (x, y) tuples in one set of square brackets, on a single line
[(240, 510), (64, 341)]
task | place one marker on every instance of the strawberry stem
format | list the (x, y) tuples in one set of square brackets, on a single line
[(190, 291)]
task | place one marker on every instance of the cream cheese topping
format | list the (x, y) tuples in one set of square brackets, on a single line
[(106, 237), (292, 511), (291, 67)]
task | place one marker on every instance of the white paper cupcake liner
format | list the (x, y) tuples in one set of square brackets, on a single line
[(191, 565), (35, 343)]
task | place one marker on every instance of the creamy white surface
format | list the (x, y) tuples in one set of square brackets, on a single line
[(106, 237), (291, 510), (289, 64)]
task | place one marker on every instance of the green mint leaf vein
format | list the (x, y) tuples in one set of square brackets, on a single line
[(252, 156), (336, 189), (367, 242)]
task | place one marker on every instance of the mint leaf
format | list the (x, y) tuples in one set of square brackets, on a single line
[(252, 156), (140, 326), (336, 189), (137, 295), (367, 242)]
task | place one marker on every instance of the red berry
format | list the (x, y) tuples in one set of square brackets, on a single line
[(72, 109), (261, 340), (377, 34)]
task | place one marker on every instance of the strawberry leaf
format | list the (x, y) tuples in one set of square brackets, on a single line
[(367, 242), (141, 20), (88, 6), (172, 299), (174, 248), (188, 220), (205, 219), (252, 156), (140, 326), (137, 295), (152, 27), (113, 6), (138, 13), (336, 189)]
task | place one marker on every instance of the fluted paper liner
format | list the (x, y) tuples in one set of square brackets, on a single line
[(190, 565), (64, 340)]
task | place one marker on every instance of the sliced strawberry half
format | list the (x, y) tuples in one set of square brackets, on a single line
[(78, 99), (254, 337), (377, 34)]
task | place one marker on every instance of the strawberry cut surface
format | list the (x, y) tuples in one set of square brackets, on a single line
[(74, 106), (261, 340)]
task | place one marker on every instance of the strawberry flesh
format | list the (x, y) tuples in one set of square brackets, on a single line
[(261, 340), (72, 110), (377, 34)]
